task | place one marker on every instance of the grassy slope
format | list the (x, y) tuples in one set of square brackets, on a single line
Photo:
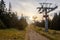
[(12, 34), (51, 34)]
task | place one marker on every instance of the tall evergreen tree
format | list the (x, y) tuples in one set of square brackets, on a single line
[(55, 21), (22, 23)]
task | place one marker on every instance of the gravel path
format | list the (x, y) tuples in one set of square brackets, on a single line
[(32, 35)]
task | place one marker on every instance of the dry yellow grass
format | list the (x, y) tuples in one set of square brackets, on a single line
[(12, 34), (51, 34)]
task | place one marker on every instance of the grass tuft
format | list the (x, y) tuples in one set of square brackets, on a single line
[(51, 34), (12, 34)]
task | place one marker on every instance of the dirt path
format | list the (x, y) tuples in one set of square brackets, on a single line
[(32, 35)]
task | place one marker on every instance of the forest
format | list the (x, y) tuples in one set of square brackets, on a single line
[(9, 19), (52, 24)]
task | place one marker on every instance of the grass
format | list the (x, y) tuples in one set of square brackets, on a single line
[(12, 34), (51, 34)]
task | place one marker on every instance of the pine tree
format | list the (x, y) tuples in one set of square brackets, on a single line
[(22, 23), (55, 21)]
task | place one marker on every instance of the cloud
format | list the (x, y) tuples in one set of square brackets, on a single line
[(28, 7)]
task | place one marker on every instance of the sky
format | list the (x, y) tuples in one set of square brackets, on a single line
[(29, 7)]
